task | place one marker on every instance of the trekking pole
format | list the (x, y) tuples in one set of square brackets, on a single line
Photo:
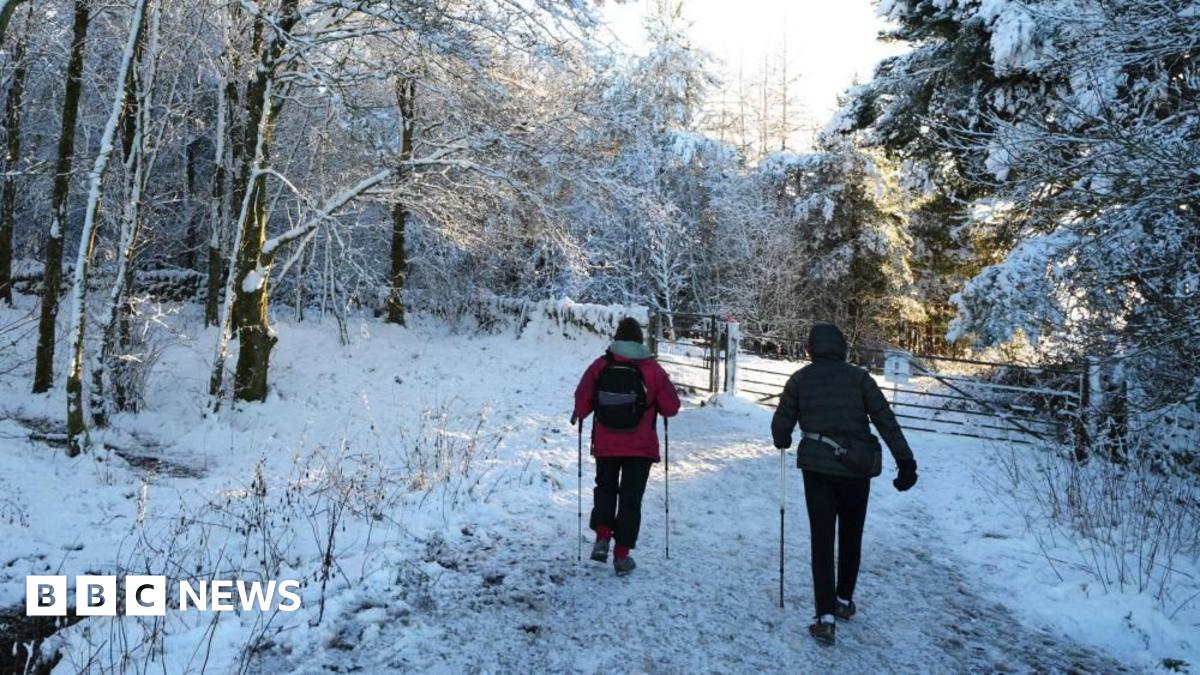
[(579, 493), (782, 493), (667, 474)]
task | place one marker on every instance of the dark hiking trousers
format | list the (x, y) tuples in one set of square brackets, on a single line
[(841, 503), (620, 483)]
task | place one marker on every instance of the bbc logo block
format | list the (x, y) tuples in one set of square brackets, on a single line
[(95, 595), (45, 596), (146, 595)]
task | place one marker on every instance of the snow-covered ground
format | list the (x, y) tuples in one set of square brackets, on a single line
[(443, 464)]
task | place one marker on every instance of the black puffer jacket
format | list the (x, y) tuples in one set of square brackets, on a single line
[(832, 397)]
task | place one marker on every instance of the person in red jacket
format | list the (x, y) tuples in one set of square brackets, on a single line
[(623, 455)]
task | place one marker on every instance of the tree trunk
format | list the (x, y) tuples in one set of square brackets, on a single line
[(116, 316), (43, 376), (213, 291), (395, 300), (7, 7), (250, 316), (12, 153), (247, 287), (191, 236), (225, 159), (405, 97), (226, 321), (77, 440), (251, 319)]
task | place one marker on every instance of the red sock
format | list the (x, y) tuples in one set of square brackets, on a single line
[(622, 551), (603, 532)]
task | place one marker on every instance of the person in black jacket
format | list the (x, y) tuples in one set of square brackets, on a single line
[(833, 401)]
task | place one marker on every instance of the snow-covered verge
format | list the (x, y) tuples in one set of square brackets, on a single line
[(422, 483), (561, 317), (988, 501), (382, 442)]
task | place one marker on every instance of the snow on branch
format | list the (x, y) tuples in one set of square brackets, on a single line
[(332, 205)]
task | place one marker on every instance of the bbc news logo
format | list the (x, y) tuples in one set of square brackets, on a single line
[(96, 595)]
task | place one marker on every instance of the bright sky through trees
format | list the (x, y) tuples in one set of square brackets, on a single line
[(829, 43)]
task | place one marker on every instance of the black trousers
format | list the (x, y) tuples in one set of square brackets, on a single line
[(620, 484), (833, 503)]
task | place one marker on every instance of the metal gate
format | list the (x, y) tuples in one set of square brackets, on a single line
[(960, 397), (691, 347)]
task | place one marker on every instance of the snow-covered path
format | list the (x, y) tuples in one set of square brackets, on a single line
[(950, 582), (514, 599)]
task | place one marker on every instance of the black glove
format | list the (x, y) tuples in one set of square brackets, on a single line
[(574, 420), (786, 444), (908, 474)]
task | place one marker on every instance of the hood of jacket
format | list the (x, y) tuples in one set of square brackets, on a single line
[(826, 343), (627, 349)]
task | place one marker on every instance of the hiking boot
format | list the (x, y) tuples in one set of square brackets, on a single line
[(824, 630), (624, 565), (844, 610), (600, 550)]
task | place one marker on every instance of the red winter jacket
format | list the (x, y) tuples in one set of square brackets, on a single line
[(642, 441)]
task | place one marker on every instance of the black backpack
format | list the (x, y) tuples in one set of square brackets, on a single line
[(620, 399)]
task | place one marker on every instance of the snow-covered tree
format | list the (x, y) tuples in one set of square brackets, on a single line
[(13, 103), (846, 243), (1057, 141), (76, 426), (52, 278)]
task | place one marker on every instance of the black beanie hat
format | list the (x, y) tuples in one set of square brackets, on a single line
[(629, 330)]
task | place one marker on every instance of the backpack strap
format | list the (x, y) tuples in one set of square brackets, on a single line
[(608, 361)]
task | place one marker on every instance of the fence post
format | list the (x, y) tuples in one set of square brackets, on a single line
[(714, 351), (652, 328), (896, 366), (732, 338)]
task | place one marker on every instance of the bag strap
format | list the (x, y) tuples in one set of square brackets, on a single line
[(837, 447)]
